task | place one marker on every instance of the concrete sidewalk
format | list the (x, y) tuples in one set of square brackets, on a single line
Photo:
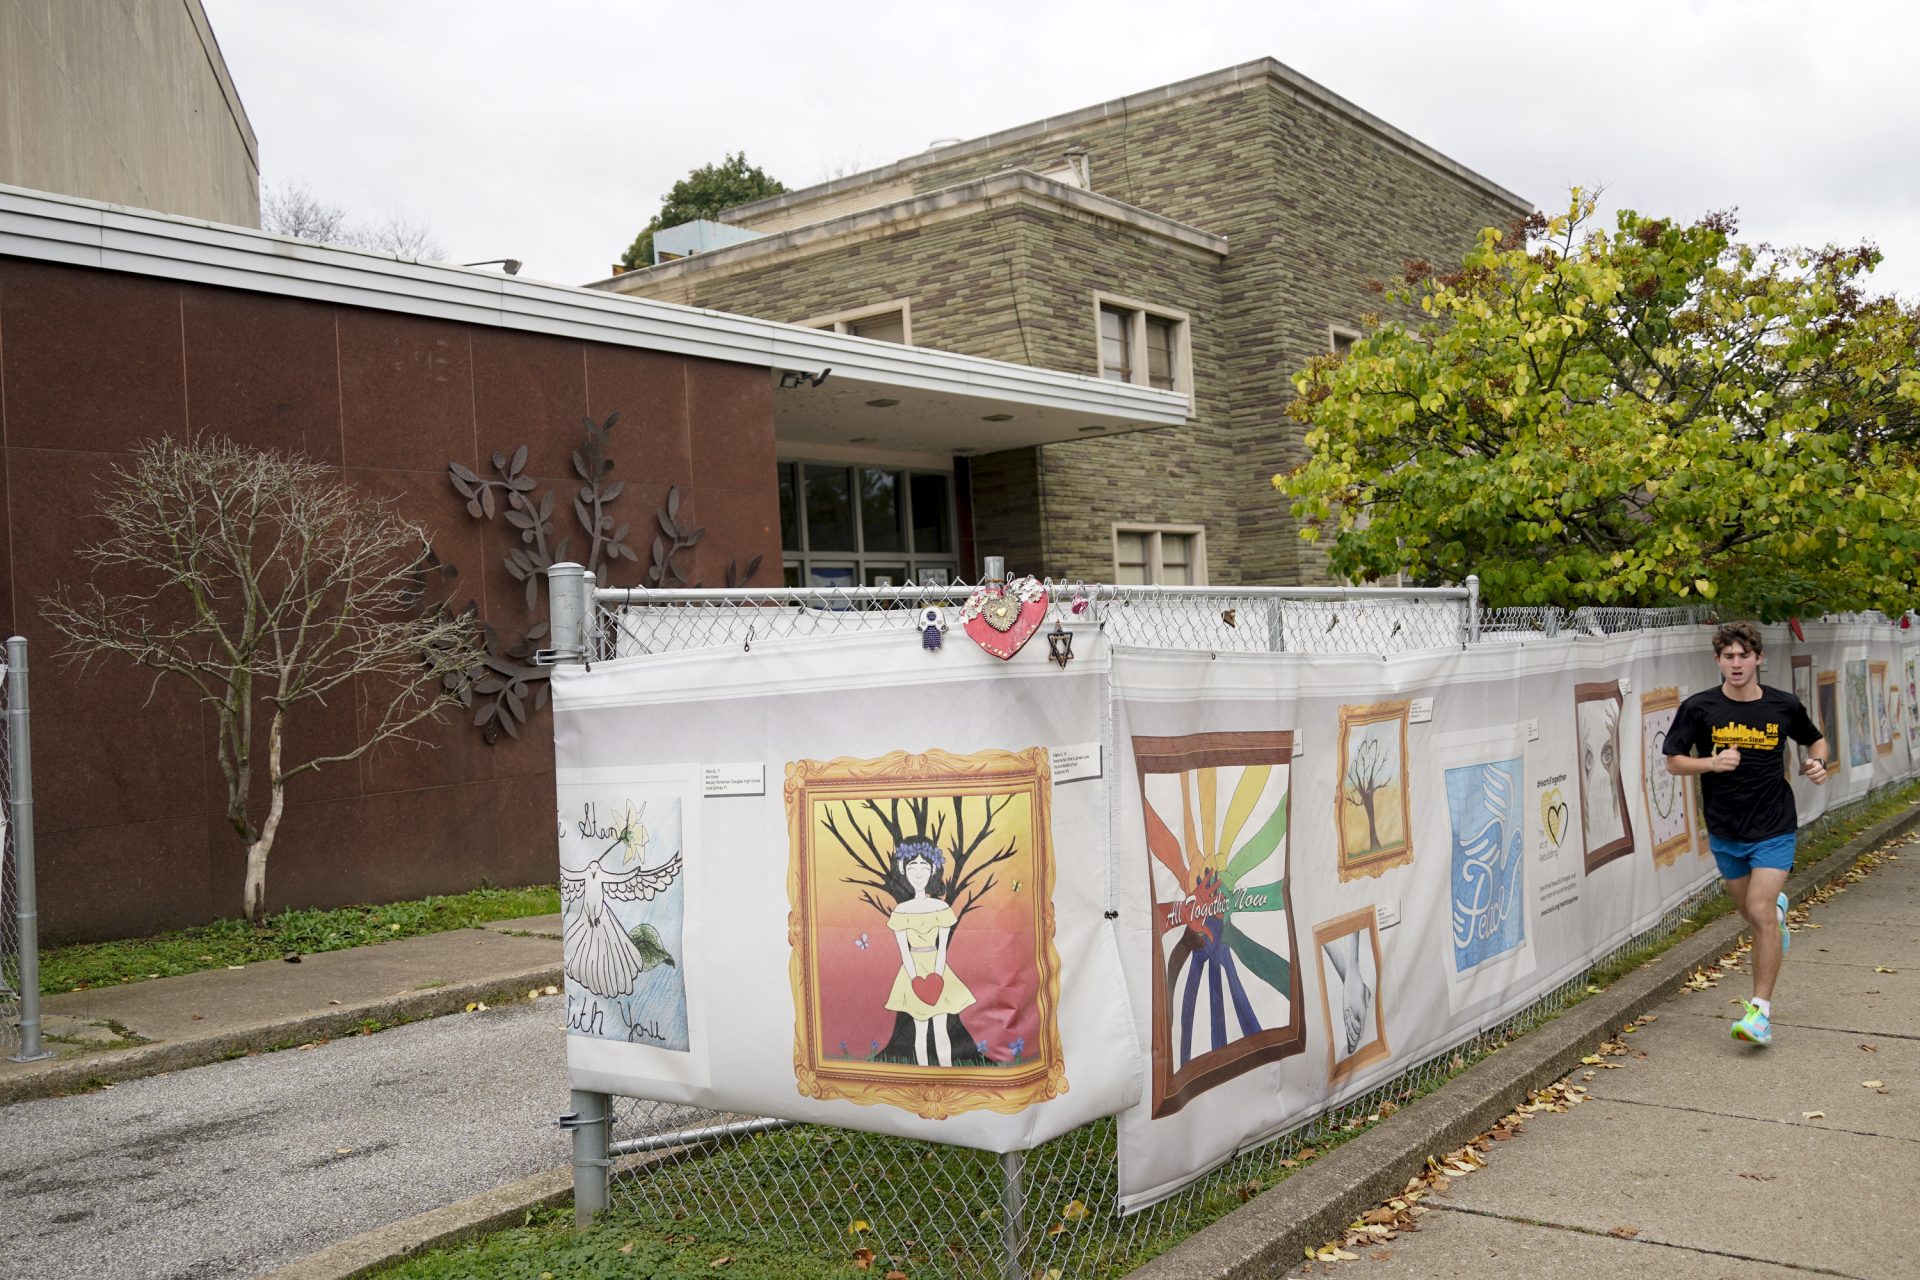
[(1703, 1157), (138, 1029), (1661, 1166)]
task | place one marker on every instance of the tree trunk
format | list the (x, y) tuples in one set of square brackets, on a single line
[(1373, 831), (255, 892)]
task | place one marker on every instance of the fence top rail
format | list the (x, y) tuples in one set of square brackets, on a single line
[(960, 591)]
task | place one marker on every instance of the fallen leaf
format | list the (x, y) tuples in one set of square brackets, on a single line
[(1880, 968), (1074, 1211), (627, 1247), (862, 1259), (720, 1261), (1813, 1115), (1623, 1232), (1872, 1084), (1869, 1048), (343, 1151), (896, 1275), (1056, 1228)]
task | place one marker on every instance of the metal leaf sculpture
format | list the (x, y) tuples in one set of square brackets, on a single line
[(510, 686)]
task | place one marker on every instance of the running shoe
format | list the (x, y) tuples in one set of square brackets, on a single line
[(1786, 937), (1755, 1027)]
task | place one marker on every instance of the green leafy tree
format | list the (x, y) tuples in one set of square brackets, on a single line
[(1652, 416), (703, 193)]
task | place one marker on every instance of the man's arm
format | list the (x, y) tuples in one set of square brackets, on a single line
[(1722, 762)]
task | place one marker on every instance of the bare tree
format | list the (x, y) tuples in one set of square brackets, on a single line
[(403, 237), (1368, 771), (292, 209), (270, 585)]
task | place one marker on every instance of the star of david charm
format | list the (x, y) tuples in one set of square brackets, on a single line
[(1060, 645)]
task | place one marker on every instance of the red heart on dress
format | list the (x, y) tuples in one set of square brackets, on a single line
[(1004, 644), (929, 987)]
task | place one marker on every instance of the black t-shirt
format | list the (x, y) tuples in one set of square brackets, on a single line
[(1753, 802)]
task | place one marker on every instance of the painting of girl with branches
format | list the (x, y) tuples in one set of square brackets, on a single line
[(923, 966)]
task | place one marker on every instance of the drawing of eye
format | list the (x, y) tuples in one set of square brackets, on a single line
[(861, 942)]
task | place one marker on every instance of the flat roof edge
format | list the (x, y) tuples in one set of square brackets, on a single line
[(67, 230), (981, 192), (1227, 77)]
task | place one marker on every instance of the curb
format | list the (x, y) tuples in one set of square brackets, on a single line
[(71, 1075), (490, 1211), (1266, 1236)]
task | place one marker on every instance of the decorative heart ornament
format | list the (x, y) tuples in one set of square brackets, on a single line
[(1553, 815), (928, 989), (1002, 617)]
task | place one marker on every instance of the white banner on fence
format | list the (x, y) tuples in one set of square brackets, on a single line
[(1428, 876), (904, 931), (847, 880)]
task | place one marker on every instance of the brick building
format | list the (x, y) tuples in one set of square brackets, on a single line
[(1209, 236)]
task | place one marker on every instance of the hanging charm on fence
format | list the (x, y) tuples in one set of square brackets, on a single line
[(1082, 598), (1060, 645), (1002, 616), (933, 625)]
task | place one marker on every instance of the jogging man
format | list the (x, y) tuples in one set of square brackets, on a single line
[(1732, 737)]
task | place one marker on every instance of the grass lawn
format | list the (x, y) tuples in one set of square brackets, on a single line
[(232, 942)]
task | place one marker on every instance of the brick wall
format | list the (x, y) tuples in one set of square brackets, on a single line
[(130, 802)]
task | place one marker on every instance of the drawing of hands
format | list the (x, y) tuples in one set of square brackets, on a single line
[(1356, 997)]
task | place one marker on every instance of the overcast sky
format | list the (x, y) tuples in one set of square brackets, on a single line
[(548, 131)]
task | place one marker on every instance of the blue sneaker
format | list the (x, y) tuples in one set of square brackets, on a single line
[(1754, 1027), (1780, 910)]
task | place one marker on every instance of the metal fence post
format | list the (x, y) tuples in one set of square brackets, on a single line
[(20, 818), (1013, 1208), (567, 606), (569, 602), (591, 1161), (1473, 608)]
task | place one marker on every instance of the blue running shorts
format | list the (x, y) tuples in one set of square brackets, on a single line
[(1738, 857)]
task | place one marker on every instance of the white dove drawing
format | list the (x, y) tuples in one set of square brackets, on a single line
[(598, 953)]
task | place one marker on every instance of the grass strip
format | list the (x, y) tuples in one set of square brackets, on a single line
[(235, 942)]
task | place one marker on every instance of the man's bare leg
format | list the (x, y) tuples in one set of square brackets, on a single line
[(1756, 893)]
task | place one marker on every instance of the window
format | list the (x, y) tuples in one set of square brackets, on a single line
[(845, 526), (1172, 555), (1142, 344), (1339, 340), (887, 322)]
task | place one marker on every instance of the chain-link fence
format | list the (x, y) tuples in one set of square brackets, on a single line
[(19, 914), (1208, 619), (935, 1210)]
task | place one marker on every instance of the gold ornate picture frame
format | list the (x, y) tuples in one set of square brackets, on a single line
[(866, 938), (1359, 1038), (1606, 826), (1877, 691), (1370, 807), (1668, 799)]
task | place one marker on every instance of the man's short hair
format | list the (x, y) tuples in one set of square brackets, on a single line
[(1741, 633)]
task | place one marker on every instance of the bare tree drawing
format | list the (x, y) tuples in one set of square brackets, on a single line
[(968, 876), (1367, 772)]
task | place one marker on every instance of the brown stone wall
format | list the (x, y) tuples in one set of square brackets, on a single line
[(129, 794), (1314, 204)]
